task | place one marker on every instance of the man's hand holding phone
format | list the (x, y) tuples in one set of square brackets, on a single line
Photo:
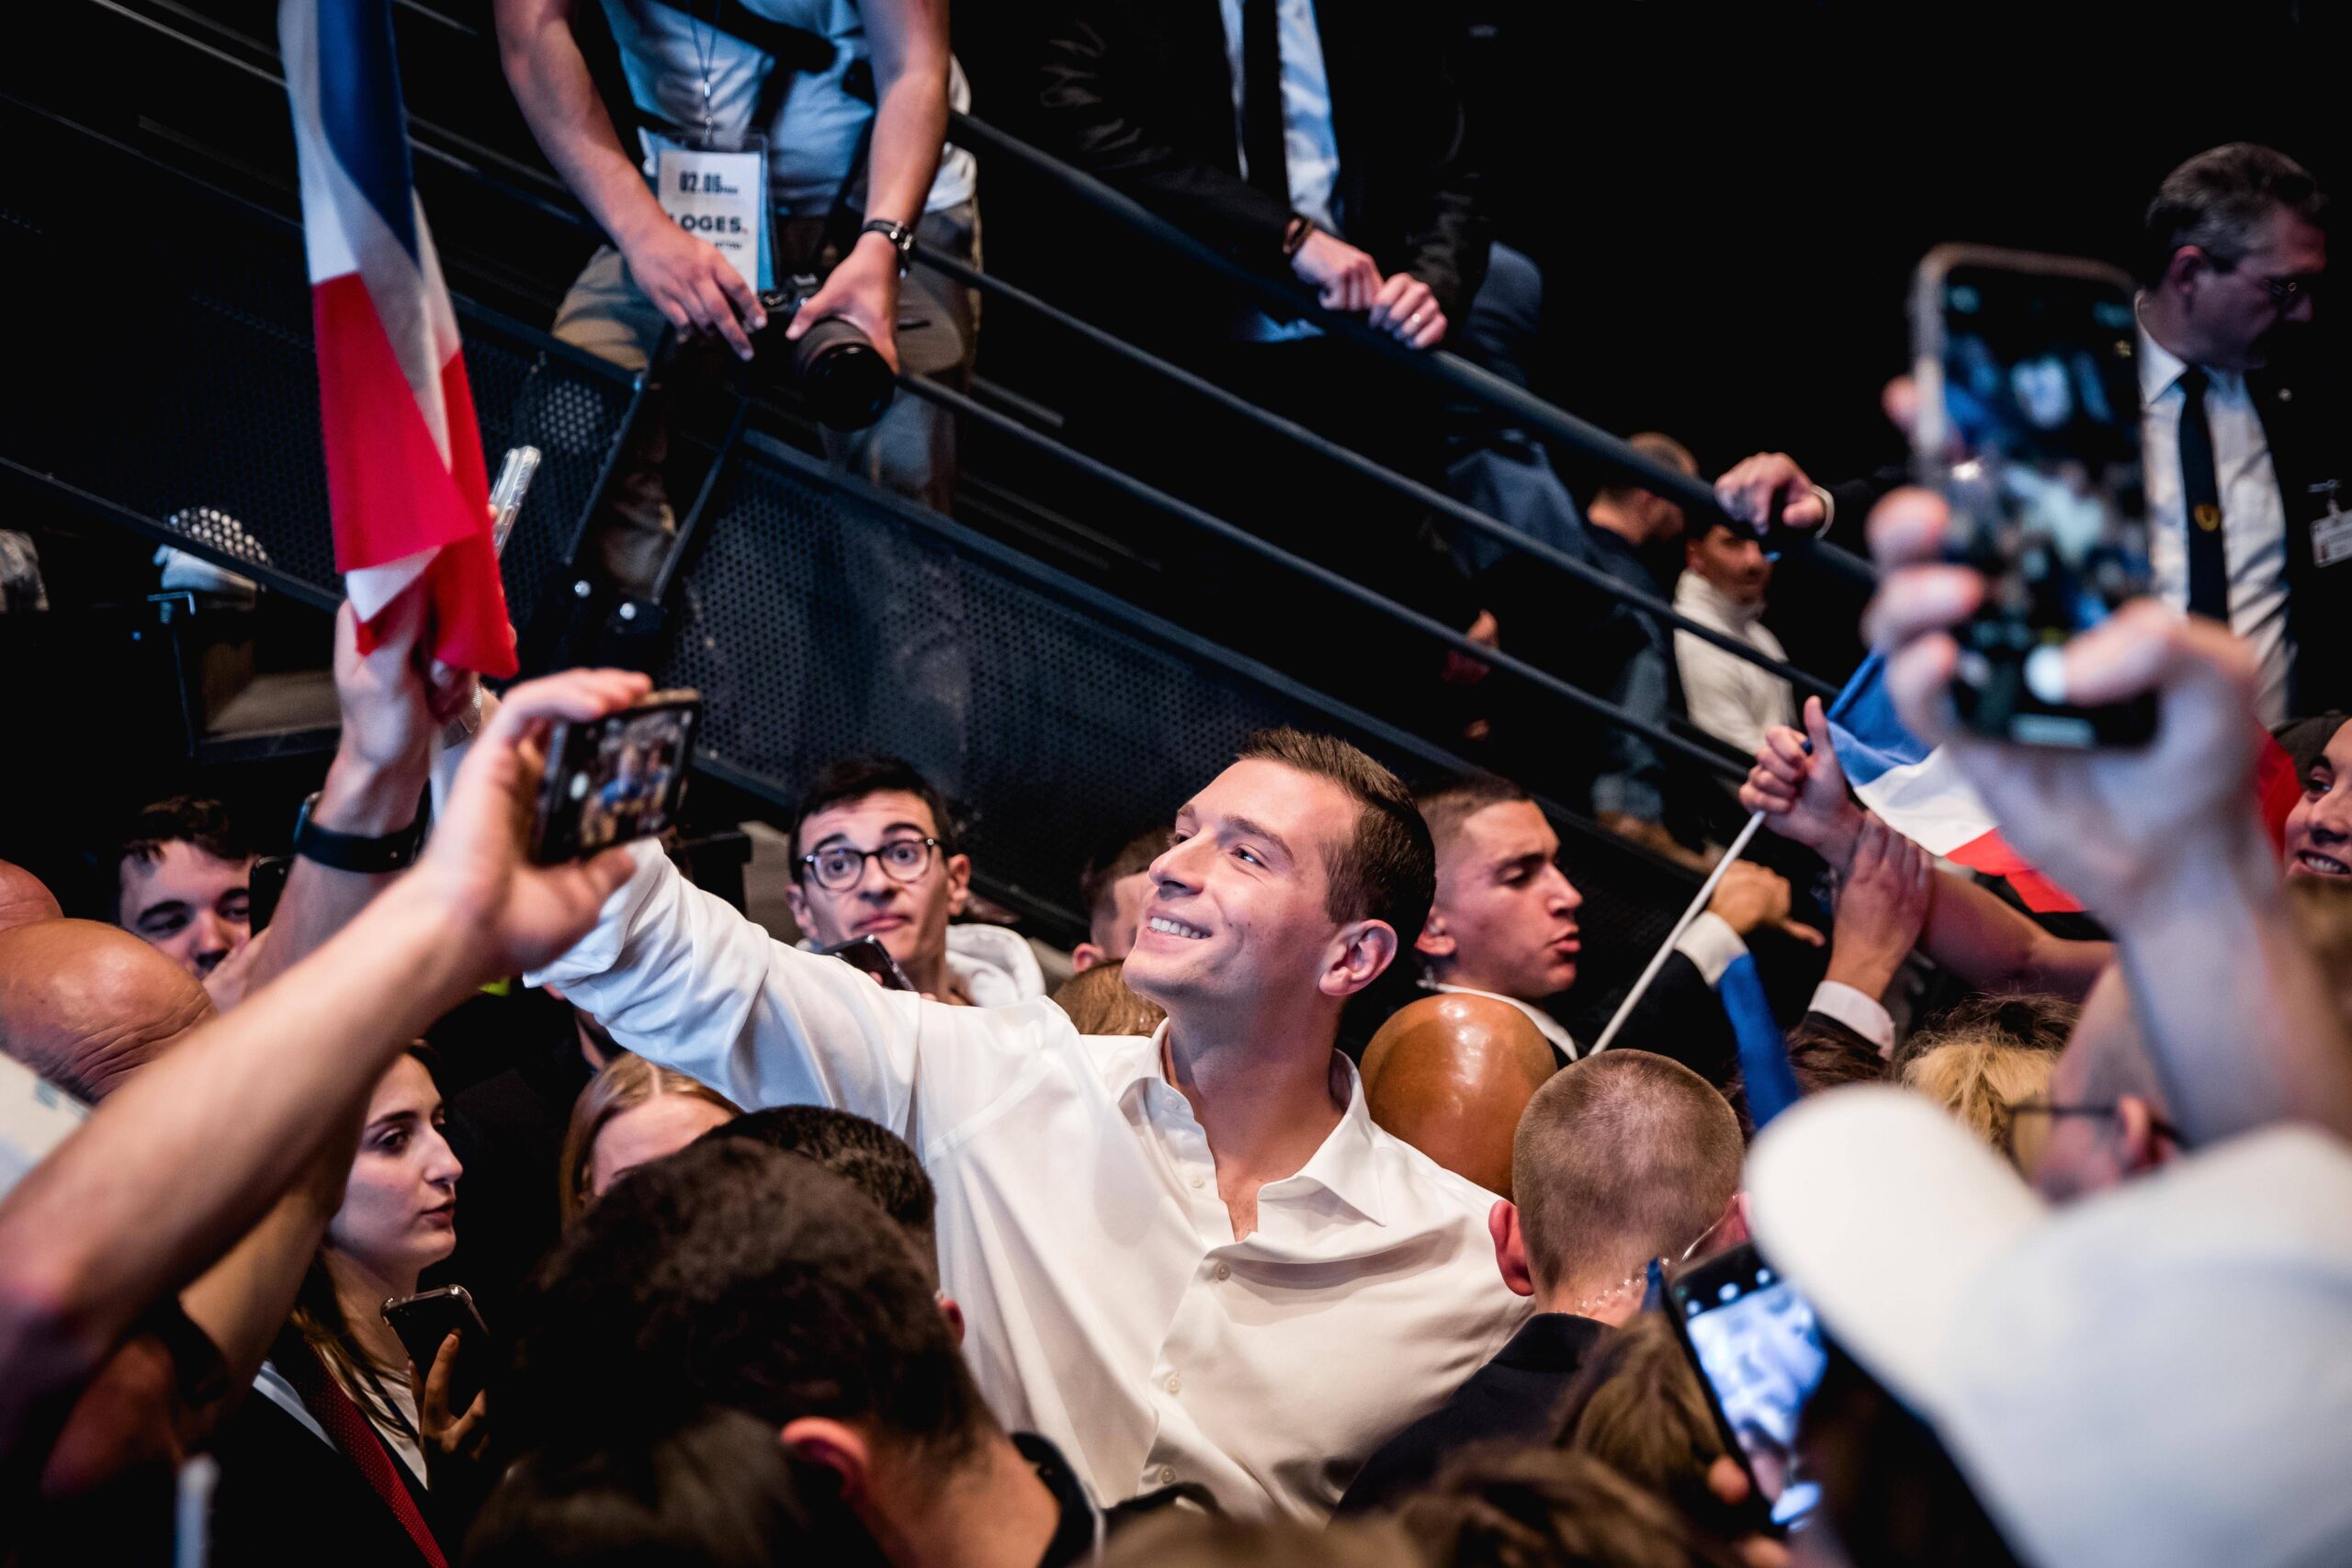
[(2101, 822)]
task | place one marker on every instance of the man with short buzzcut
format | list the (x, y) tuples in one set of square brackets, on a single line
[(875, 852), (1113, 889), (1619, 1160), (1177, 1255)]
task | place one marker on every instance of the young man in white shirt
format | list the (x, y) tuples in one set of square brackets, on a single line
[(1725, 575), (1191, 1257)]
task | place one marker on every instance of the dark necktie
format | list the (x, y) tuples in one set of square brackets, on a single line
[(1261, 99), (2200, 494)]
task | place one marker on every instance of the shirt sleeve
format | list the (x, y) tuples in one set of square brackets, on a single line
[(682, 979), (1862, 1014), (1710, 945)]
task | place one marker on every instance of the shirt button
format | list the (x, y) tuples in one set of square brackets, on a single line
[(1168, 1476), (1222, 1271), (1174, 1382), (1199, 1181)]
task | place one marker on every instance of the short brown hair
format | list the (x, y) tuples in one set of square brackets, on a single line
[(1445, 806), (1387, 871), (1099, 1002), (626, 1083), (1620, 1158), (1549, 1508), (1660, 449)]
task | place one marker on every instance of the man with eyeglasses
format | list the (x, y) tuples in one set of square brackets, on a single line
[(874, 854)]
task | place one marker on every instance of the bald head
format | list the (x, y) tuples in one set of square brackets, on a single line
[(85, 1005), (24, 898), (1450, 1075), (1622, 1157)]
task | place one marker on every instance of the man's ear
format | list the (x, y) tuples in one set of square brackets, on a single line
[(953, 1311), (959, 883), (1085, 956), (1435, 940), (2190, 267), (2144, 1148), (797, 899), (1366, 948), (838, 1448), (1511, 1246)]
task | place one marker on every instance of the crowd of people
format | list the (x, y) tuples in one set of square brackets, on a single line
[(899, 1237)]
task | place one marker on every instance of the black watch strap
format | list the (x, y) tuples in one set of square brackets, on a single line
[(350, 852), (901, 236)]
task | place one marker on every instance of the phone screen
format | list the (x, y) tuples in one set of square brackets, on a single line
[(615, 779), (2030, 424), (1758, 1350)]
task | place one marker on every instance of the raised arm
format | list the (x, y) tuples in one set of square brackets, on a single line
[(187, 1156), (2162, 841)]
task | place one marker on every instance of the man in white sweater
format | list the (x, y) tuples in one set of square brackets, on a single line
[(1189, 1257), (1723, 578)]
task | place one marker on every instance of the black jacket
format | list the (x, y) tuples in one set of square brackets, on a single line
[(2302, 414), (1513, 1398), (1137, 93)]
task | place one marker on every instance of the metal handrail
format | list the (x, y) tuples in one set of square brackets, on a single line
[(1695, 496), (1357, 463), (1717, 758)]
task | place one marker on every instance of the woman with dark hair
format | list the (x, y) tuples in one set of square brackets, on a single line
[(333, 1458)]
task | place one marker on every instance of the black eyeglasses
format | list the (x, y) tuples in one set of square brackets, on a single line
[(2157, 1124), (837, 868), (2284, 291)]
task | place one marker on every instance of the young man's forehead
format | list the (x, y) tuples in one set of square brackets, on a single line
[(1504, 831), (883, 809), (176, 859)]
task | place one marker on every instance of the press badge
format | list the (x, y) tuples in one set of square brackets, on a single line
[(2332, 531), (719, 194)]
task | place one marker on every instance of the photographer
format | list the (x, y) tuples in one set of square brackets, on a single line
[(793, 72)]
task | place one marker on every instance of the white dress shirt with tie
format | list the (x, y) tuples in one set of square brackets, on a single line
[(2253, 518), (1106, 1302)]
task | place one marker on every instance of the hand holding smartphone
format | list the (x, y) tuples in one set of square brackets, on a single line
[(1758, 1353), (615, 779), (2030, 424), (424, 1320)]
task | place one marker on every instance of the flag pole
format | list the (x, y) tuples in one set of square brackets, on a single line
[(1657, 959)]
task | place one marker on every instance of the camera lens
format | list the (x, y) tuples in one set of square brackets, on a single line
[(844, 376)]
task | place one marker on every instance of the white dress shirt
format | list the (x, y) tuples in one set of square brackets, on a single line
[(2253, 518), (1310, 145), (1728, 697), (1106, 1302)]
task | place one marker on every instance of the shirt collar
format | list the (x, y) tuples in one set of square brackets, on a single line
[(1551, 1028), (1345, 1166), (1078, 1532), (2159, 366), (1701, 600)]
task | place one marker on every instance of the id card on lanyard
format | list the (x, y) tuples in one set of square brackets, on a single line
[(716, 190), (2331, 533), (714, 183)]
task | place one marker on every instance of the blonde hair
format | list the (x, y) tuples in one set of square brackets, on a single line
[(1099, 1002), (1981, 1082), (627, 1082)]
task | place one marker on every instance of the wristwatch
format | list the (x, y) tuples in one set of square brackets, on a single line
[(901, 238), (350, 852)]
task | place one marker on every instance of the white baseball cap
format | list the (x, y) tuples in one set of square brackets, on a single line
[(2156, 1375)]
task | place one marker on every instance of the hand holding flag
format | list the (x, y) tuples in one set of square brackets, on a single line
[(404, 451)]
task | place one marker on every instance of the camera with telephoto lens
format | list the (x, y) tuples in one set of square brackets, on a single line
[(844, 376)]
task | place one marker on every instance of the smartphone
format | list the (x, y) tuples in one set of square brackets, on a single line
[(1758, 1351), (2028, 424), (616, 778), (867, 953), (424, 1320), (264, 884)]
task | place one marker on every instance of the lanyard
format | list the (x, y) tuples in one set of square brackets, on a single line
[(705, 45)]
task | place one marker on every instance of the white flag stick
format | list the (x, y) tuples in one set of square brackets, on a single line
[(1657, 959)]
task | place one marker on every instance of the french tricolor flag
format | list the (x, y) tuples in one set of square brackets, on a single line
[(410, 495), (1917, 791)]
